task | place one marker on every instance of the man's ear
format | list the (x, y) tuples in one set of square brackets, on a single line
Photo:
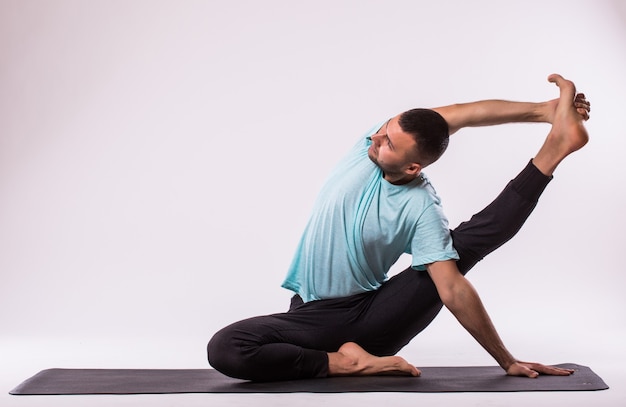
[(413, 169)]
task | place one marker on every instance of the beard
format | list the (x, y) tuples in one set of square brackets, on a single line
[(389, 171)]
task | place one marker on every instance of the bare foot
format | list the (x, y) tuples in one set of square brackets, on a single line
[(353, 360), (567, 134)]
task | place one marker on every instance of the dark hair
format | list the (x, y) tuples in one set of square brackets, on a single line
[(430, 132)]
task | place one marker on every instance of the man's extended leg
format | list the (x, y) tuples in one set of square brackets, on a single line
[(502, 219), (497, 223)]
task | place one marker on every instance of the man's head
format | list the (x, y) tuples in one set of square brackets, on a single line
[(409, 142)]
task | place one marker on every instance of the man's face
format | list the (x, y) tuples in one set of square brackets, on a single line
[(393, 151)]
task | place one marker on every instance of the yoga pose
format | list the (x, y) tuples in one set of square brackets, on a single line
[(347, 317)]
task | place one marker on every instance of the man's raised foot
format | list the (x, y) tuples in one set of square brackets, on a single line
[(568, 134)]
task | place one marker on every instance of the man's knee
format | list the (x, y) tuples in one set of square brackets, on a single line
[(222, 352), (233, 350)]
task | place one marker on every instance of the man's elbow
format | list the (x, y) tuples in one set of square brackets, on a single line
[(455, 296), (448, 298), (451, 285)]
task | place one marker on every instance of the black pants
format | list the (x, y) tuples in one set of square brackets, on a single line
[(294, 344)]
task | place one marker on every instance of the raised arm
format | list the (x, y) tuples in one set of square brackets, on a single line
[(493, 112), (460, 297)]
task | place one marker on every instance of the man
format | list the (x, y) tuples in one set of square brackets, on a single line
[(346, 317)]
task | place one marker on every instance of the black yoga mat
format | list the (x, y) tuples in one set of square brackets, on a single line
[(433, 380)]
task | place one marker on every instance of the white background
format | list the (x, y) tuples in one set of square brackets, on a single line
[(159, 159)]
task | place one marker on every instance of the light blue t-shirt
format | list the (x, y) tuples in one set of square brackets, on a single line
[(361, 224)]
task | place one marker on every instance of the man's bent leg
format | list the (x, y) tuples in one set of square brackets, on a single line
[(252, 350), (292, 345)]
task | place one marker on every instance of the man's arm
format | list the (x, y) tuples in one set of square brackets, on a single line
[(494, 112), (460, 297)]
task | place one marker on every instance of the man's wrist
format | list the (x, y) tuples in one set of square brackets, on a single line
[(543, 112), (508, 363)]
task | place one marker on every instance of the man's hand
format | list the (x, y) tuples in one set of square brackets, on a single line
[(582, 105), (533, 370)]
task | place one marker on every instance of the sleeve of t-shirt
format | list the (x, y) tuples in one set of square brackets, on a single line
[(432, 241)]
